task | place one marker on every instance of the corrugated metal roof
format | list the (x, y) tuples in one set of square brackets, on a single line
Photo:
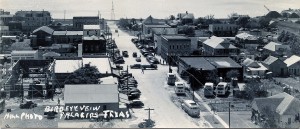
[(219, 43), (292, 60), (91, 93), (270, 60), (198, 62), (289, 105), (45, 29), (271, 46)]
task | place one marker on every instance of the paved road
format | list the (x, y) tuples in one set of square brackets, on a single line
[(151, 84)]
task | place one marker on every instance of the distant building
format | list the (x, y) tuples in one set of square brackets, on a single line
[(246, 40), (186, 18), (223, 30), (23, 55), (284, 108), (89, 30), (276, 49), (174, 46), (276, 66), (4, 30), (293, 65), (78, 22), (33, 19), (151, 22), (217, 46), (6, 18), (42, 36), (209, 63), (60, 37)]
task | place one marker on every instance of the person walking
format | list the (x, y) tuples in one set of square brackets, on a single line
[(58, 102), (143, 70)]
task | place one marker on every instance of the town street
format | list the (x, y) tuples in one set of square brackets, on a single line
[(152, 85)]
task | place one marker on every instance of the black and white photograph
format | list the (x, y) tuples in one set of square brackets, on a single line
[(150, 64)]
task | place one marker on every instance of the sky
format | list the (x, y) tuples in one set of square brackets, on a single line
[(144, 8)]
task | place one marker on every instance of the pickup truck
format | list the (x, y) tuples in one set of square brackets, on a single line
[(151, 66)]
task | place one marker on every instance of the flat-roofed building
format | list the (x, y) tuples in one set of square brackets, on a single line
[(223, 30), (33, 19), (24, 55), (89, 30), (79, 21)]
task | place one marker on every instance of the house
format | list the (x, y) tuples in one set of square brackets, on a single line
[(222, 65), (283, 107), (276, 49), (293, 65), (42, 36), (246, 40), (33, 19), (97, 97), (276, 66), (151, 22), (186, 18), (174, 46), (223, 30), (217, 46), (252, 67), (79, 21)]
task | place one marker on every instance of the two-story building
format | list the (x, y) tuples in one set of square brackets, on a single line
[(245, 40), (42, 36), (78, 22), (216, 46), (223, 30), (89, 30), (59, 37), (33, 19), (174, 46)]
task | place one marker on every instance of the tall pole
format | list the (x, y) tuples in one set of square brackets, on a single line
[(229, 115)]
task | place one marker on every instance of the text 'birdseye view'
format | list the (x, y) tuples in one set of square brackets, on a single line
[(103, 69)]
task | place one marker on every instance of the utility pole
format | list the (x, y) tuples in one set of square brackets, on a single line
[(229, 115), (127, 81), (148, 122)]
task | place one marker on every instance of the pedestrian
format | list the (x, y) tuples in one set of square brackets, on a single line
[(58, 102), (142, 70), (160, 61)]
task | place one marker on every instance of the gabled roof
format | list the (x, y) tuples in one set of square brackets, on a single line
[(45, 29), (288, 106), (91, 93), (292, 60), (198, 62), (218, 43), (246, 36), (271, 46), (151, 20), (250, 63), (270, 60), (51, 54)]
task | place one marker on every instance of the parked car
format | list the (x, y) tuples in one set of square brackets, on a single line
[(125, 53), (134, 40), (136, 103), (28, 105), (138, 59), (150, 66), (179, 88), (134, 54), (134, 95), (135, 66), (140, 47), (222, 88), (208, 89), (119, 61)]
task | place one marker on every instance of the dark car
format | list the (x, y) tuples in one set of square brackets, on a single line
[(125, 53), (138, 59), (134, 40), (151, 66), (140, 47), (28, 105), (136, 103), (119, 61), (134, 95), (135, 66), (134, 54)]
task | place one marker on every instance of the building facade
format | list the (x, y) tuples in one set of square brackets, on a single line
[(223, 30), (33, 19), (78, 22), (216, 46), (174, 46), (23, 55)]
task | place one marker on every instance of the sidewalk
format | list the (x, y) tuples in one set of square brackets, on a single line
[(202, 102)]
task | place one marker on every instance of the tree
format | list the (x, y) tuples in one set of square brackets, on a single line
[(124, 23), (270, 117), (264, 21), (187, 30), (211, 76), (84, 75), (194, 76), (232, 74), (242, 21), (172, 17), (255, 88)]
